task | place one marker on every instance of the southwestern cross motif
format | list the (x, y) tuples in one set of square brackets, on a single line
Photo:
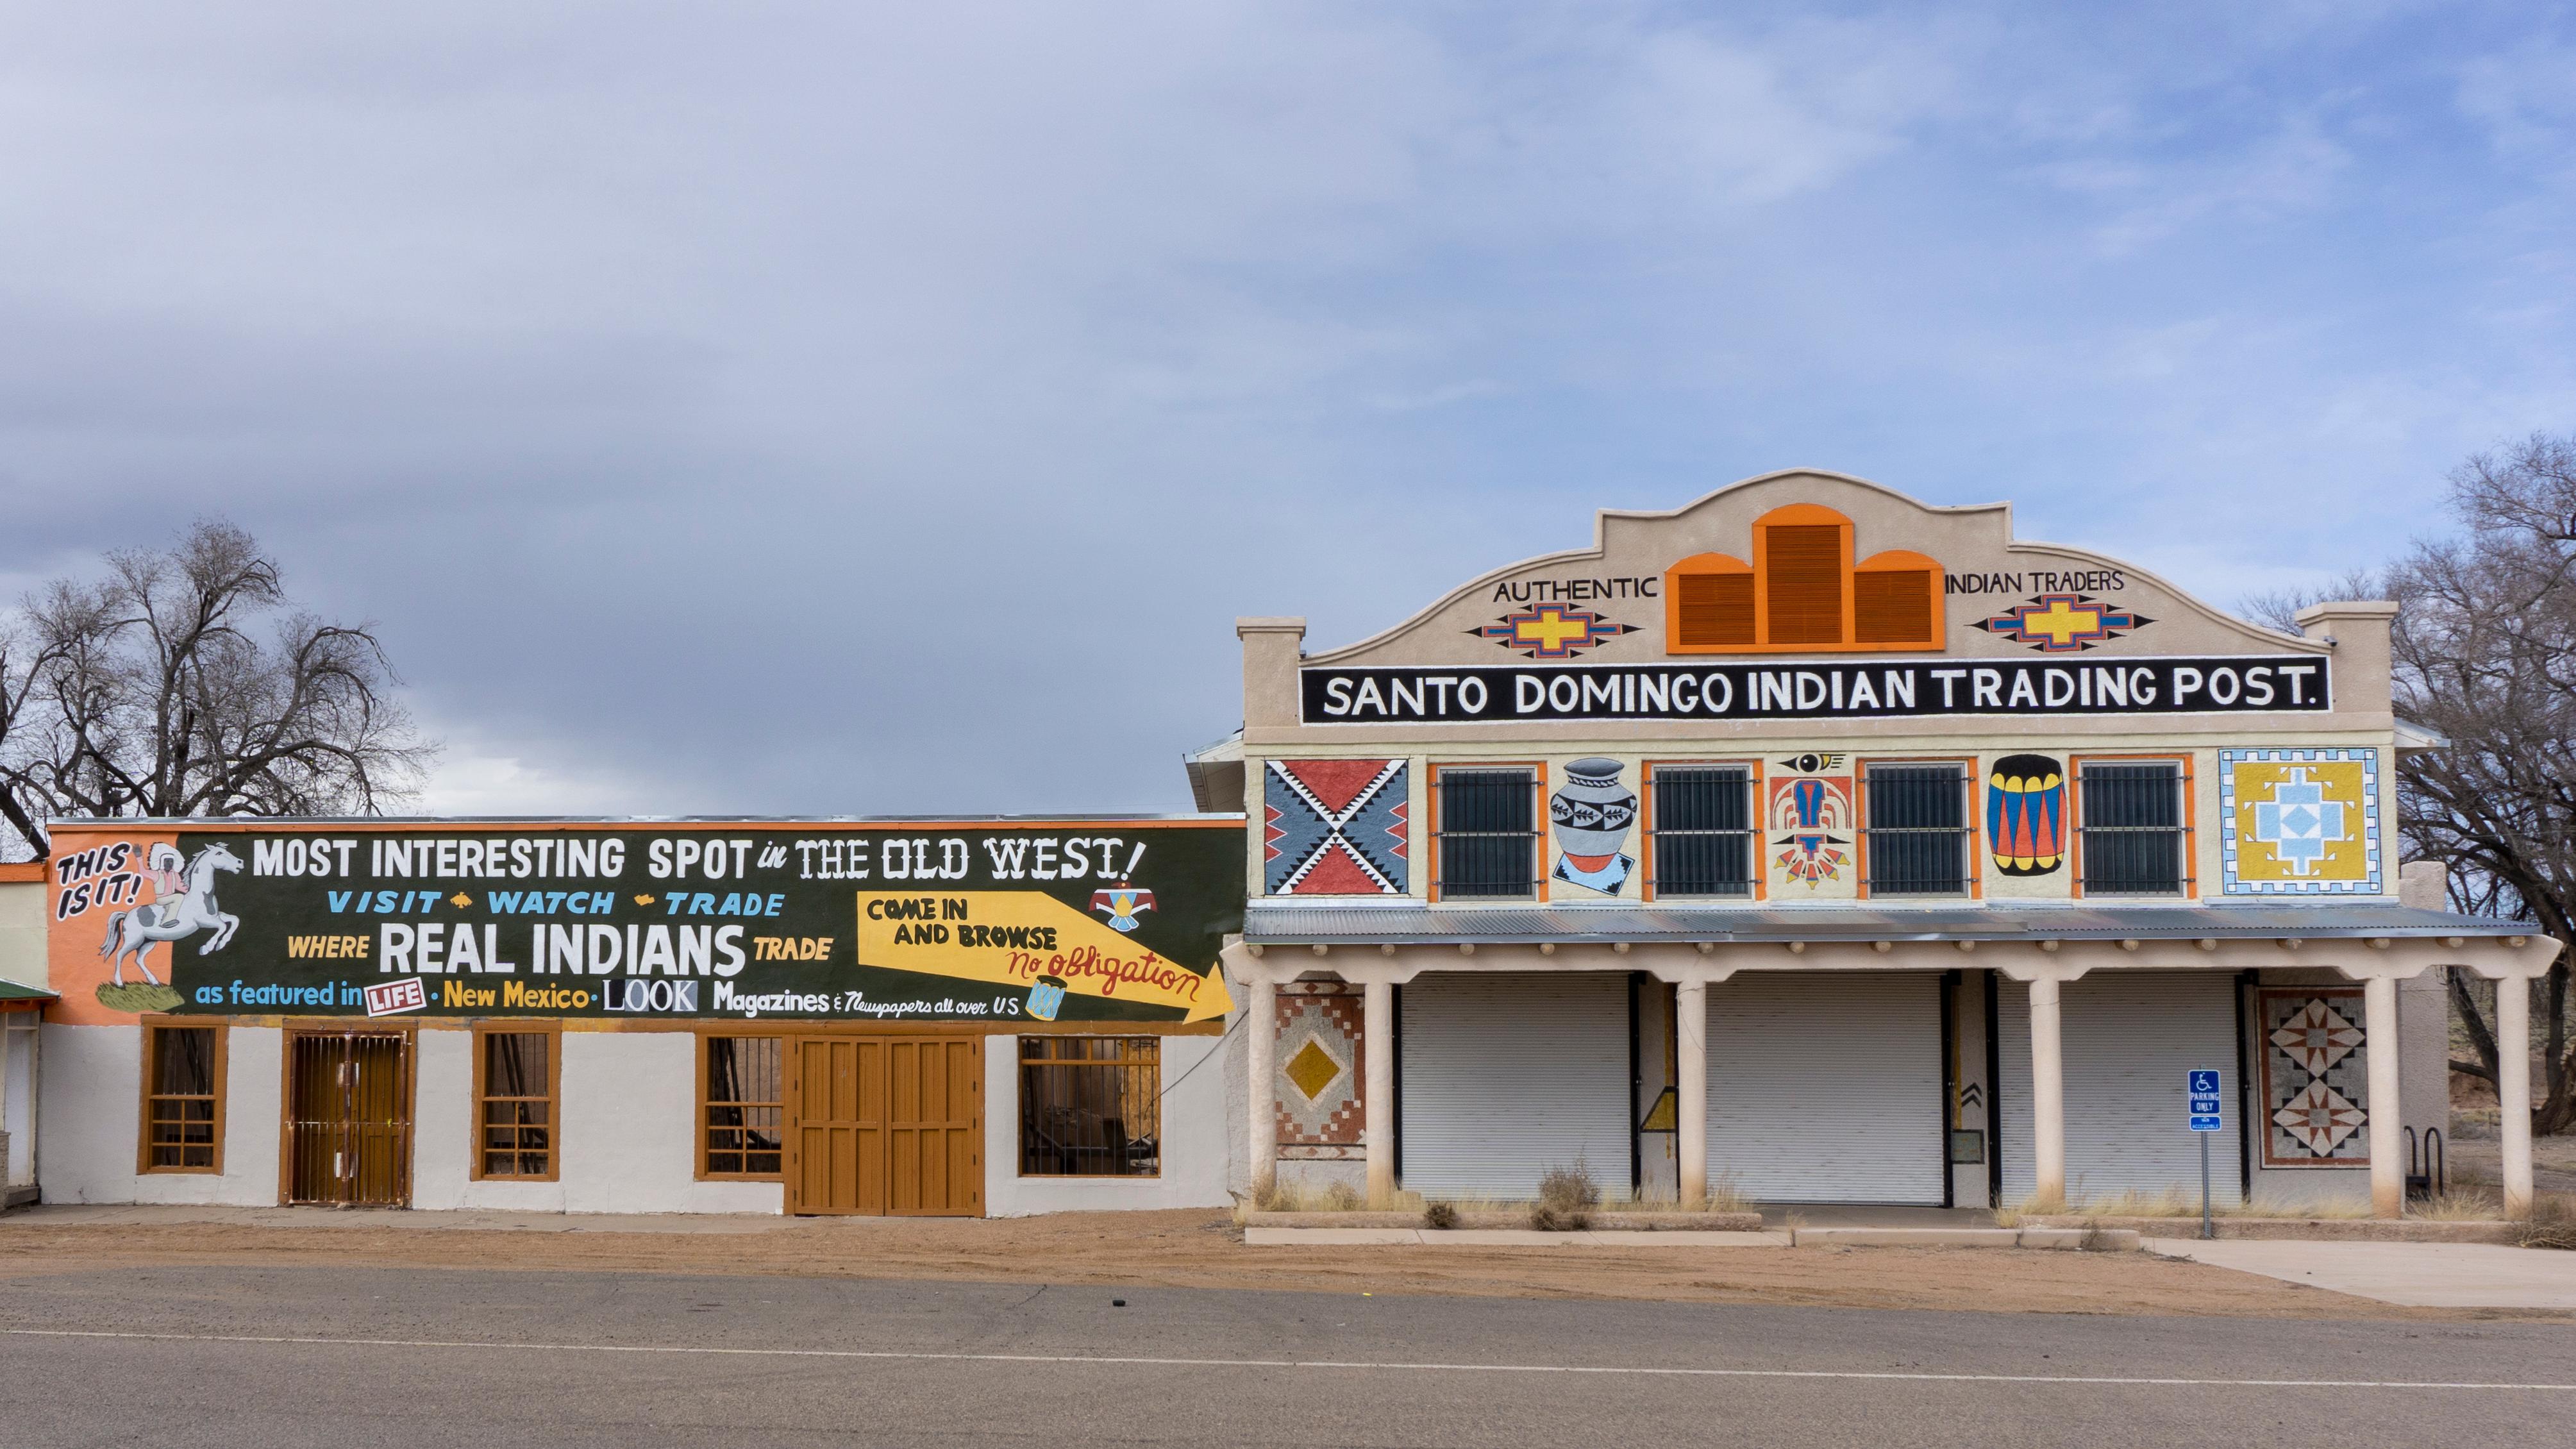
[(1551, 631), (2063, 623)]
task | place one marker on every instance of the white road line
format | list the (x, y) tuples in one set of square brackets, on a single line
[(1622, 1370)]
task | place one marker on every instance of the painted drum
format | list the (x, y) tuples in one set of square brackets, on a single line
[(2026, 814), (1046, 996)]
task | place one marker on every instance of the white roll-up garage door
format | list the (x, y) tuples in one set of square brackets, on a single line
[(1826, 1087), (2129, 1039), (1506, 1076)]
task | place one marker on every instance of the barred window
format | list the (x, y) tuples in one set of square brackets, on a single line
[(515, 1079), (1915, 829), (2133, 830), (1487, 832), (742, 1107), (183, 1102), (1091, 1106), (1702, 834)]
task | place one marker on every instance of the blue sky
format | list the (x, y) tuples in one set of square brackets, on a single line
[(820, 408)]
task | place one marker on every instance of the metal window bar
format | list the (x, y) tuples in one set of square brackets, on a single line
[(1488, 836), (349, 1123), (1917, 830), (1090, 1106), (1703, 833), (746, 1105), (182, 1110), (2135, 841), (518, 1131)]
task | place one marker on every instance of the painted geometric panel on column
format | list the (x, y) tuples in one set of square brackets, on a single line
[(1334, 828), (2299, 822), (2316, 1076), (1321, 1102)]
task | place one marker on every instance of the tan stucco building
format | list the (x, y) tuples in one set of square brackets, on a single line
[(1826, 846)]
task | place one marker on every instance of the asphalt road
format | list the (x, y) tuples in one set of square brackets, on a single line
[(277, 1358)]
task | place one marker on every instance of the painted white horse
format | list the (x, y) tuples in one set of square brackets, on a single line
[(173, 917)]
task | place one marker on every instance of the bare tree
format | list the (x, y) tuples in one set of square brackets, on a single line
[(2485, 655), (150, 692)]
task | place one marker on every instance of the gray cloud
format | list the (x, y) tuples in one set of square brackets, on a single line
[(821, 408)]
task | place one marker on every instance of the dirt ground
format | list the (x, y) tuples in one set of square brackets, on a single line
[(1205, 1250)]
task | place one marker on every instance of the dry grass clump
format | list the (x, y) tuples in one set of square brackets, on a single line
[(1440, 1215), (1284, 1196), (2458, 1205), (2179, 1202), (2264, 1205), (2552, 1223), (1567, 1197), (1723, 1197)]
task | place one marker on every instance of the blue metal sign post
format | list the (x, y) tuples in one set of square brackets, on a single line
[(2206, 1118)]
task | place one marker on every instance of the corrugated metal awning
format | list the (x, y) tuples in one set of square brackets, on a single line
[(1268, 923)]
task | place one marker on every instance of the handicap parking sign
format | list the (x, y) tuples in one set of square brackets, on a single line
[(2204, 1108)]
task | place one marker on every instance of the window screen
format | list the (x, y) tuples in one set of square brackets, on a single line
[(181, 1103), (1091, 1106), (1488, 833), (2134, 839), (745, 1107), (516, 1120), (1703, 830), (1916, 826)]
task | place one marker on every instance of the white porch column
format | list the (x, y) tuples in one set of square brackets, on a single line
[(2513, 1091), (2387, 1126), (2047, 1094), (1377, 1042), (1260, 1054), (1690, 1090)]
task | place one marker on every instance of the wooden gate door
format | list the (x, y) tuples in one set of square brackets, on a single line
[(348, 1119), (882, 1125), (836, 1126), (935, 1126)]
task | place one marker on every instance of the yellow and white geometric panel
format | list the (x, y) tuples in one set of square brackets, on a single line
[(2299, 822)]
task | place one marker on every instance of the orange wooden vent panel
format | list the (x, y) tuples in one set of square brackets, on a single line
[(1892, 606), (1715, 608), (1805, 583)]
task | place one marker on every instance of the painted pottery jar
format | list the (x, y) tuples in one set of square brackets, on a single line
[(1592, 812)]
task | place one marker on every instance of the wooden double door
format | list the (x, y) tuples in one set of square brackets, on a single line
[(886, 1125)]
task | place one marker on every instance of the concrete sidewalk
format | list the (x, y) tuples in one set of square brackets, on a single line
[(104, 1215), (2420, 1275)]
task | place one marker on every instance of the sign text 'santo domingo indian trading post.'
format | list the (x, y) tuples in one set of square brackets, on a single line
[(1876, 690), (1112, 921)]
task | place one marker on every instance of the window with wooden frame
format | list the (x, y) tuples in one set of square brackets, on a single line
[(742, 1107), (1091, 1106), (1703, 836), (1803, 592), (183, 1099), (2133, 830), (1918, 835), (518, 1079), (1485, 832)]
